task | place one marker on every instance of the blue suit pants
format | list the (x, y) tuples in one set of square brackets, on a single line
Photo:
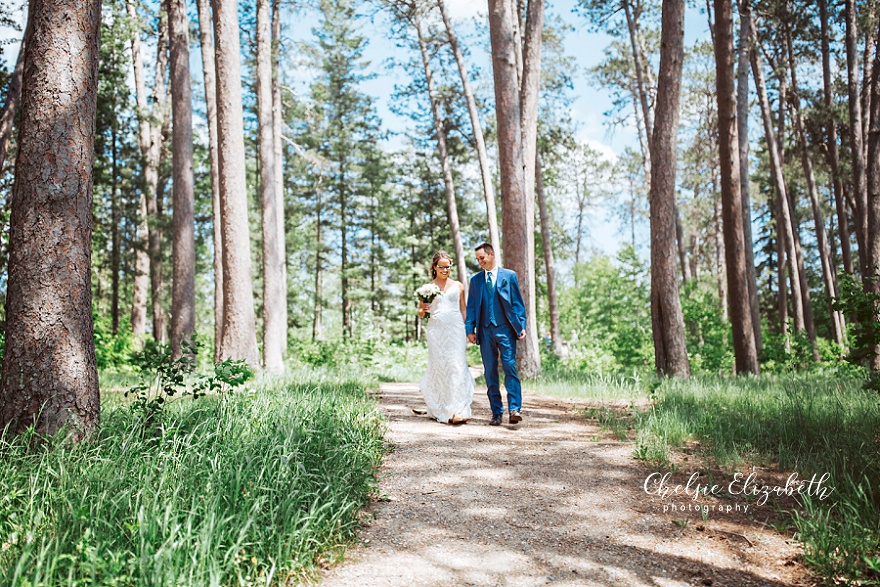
[(495, 341)]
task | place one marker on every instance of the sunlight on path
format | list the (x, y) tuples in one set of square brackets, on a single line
[(553, 500)]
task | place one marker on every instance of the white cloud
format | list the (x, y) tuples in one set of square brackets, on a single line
[(465, 9)]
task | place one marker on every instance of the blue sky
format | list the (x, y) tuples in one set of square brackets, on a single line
[(587, 110)]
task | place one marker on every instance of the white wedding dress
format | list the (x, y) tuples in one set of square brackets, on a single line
[(448, 386)]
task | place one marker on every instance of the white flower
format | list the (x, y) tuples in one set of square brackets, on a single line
[(428, 292)]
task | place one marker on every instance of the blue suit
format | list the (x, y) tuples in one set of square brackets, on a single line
[(497, 332)]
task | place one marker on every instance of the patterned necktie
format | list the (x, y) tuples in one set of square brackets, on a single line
[(491, 302)]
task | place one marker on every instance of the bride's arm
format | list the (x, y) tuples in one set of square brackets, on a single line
[(461, 302)]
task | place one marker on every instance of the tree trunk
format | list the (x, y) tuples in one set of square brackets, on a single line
[(206, 38), (873, 203), (154, 159), (869, 18), (115, 253), (782, 289), (239, 339), (682, 248), (632, 27), (440, 131), (742, 122), (183, 290), (858, 191), (317, 323), (666, 317), (784, 216), (278, 150), (549, 263), (833, 152), (482, 154), (343, 252), (13, 97), (720, 271), (515, 209), (50, 377), (529, 87), (148, 232), (274, 324), (838, 327)]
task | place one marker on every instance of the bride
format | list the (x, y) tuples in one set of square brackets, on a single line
[(448, 386)]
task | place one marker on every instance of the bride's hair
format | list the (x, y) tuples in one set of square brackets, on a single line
[(437, 256)]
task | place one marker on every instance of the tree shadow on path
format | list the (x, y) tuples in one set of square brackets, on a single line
[(553, 500)]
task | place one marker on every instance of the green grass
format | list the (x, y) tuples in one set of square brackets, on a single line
[(254, 488), (810, 424), (567, 382)]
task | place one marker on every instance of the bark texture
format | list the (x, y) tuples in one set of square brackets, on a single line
[(829, 280), (744, 349), (206, 40), (278, 150), (529, 352), (274, 323), (785, 226), (155, 190), (833, 152), (858, 190), (549, 261), (183, 288), (50, 377), (239, 339), (742, 125), (440, 132), (514, 217), (151, 120), (474, 113), (873, 202), (666, 317)]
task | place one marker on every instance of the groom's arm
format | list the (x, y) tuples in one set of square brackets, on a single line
[(517, 305)]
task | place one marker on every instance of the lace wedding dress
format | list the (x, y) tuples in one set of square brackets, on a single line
[(448, 387)]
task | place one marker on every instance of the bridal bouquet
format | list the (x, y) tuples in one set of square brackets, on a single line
[(426, 294)]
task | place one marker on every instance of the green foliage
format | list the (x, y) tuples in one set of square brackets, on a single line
[(863, 308), (384, 360), (608, 306), (165, 377), (256, 493), (708, 336), (112, 351), (336, 353)]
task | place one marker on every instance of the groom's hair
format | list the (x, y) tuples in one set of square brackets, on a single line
[(487, 248)]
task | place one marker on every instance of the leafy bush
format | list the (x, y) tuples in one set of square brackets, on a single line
[(164, 377), (112, 351), (332, 353), (609, 308), (863, 308), (709, 337)]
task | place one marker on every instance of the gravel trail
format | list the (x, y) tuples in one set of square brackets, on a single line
[(551, 501)]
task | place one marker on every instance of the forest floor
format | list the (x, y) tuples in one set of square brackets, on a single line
[(554, 500)]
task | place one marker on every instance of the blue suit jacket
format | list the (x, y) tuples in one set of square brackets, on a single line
[(512, 308)]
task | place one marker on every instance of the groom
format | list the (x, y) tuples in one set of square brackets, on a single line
[(496, 318)]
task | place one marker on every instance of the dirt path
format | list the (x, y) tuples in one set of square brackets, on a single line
[(552, 501)]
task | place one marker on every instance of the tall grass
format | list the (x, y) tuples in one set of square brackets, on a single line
[(811, 424), (562, 381), (249, 489)]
